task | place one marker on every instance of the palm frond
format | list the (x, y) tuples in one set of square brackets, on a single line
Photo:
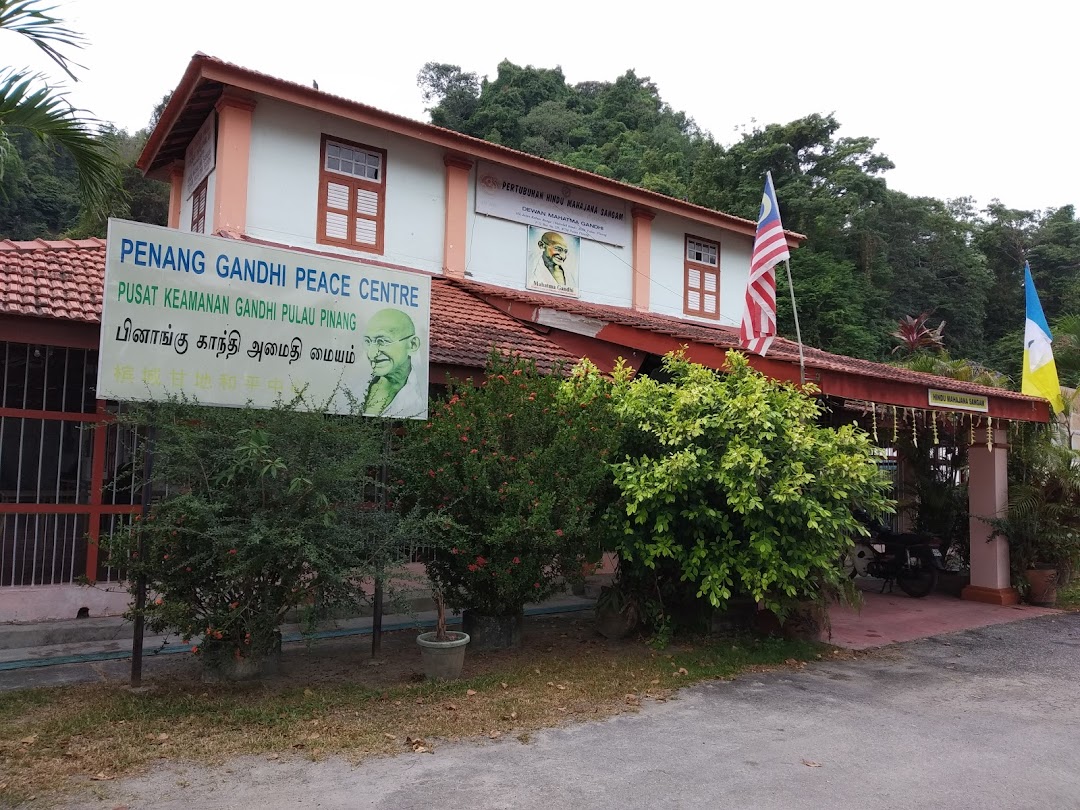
[(27, 102), (41, 27)]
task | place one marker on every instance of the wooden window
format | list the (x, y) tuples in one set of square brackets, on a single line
[(701, 278), (352, 195), (198, 209)]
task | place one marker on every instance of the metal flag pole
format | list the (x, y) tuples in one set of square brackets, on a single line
[(798, 331)]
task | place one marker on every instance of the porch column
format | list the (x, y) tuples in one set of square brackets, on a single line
[(233, 154), (176, 189), (641, 258), (988, 496), (457, 215)]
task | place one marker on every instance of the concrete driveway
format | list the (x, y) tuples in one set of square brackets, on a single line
[(987, 718)]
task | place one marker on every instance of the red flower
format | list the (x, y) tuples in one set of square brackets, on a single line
[(536, 585), (195, 650), (474, 451), (471, 567), (464, 438), (516, 560), (165, 557), (233, 605), (232, 551), (454, 550), (431, 473), (558, 532), (517, 372), (481, 561)]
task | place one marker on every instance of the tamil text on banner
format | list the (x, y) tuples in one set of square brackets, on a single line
[(550, 205), (231, 323)]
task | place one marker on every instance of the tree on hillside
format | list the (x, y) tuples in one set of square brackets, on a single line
[(28, 104)]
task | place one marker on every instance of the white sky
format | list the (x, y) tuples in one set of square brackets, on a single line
[(966, 98)]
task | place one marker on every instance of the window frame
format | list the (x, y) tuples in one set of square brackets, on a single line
[(702, 268), (200, 190), (354, 184)]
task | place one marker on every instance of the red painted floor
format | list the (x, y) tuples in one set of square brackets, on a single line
[(890, 618)]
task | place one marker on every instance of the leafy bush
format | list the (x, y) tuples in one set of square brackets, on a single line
[(731, 487), (517, 469), (261, 511)]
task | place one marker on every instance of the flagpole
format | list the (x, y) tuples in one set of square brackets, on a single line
[(798, 331)]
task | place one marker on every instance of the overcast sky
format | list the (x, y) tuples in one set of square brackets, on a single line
[(966, 98)]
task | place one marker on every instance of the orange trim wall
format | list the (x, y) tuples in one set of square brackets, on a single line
[(176, 193), (457, 214), (233, 159), (642, 258)]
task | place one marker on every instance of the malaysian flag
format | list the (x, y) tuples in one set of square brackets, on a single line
[(770, 247)]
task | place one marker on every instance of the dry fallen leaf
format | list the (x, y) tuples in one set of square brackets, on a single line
[(470, 692), (682, 671), (537, 671), (503, 685), (101, 776), (274, 756), (495, 735), (389, 736), (419, 701), (450, 707), (560, 686), (29, 740), (810, 764), (308, 693), (551, 683), (396, 703), (654, 681), (162, 737)]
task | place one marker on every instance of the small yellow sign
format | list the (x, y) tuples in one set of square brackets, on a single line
[(958, 402)]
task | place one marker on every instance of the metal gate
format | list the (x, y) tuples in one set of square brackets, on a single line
[(67, 477)]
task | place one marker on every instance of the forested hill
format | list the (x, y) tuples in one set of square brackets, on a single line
[(873, 254)]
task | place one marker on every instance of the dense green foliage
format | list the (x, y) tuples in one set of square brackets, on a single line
[(873, 255), (732, 488), (259, 512), (518, 468)]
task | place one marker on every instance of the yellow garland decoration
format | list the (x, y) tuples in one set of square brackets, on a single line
[(933, 416), (914, 428), (971, 427), (990, 433), (874, 422), (894, 424)]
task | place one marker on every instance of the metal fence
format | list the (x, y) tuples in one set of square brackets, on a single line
[(67, 477)]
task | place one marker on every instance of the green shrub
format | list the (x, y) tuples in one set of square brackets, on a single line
[(731, 487)]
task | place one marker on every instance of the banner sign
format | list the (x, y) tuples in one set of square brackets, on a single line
[(958, 402), (230, 323), (550, 205), (199, 158)]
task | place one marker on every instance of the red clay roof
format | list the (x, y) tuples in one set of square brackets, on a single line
[(52, 279), (63, 280), (204, 74), (728, 338)]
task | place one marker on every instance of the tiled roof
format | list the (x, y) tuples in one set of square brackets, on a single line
[(52, 279), (64, 280), (728, 338)]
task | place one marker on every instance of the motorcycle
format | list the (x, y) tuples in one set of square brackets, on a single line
[(912, 561)]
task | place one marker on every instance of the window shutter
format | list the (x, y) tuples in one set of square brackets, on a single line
[(693, 300), (367, 202), (693, 279), (337, 225), (365, 231)]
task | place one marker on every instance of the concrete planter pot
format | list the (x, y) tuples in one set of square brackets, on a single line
[(493, 632), (1043, 584), (442, 660)]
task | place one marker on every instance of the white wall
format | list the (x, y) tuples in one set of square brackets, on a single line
[(667, 263), (496, 253), (283, 184), (185, 207)]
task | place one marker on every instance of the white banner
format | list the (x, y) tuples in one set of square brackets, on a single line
[(554, 206), (230, 323), (199, 159)]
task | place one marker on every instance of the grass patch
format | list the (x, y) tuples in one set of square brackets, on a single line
[(1069, 597), (58, 739)]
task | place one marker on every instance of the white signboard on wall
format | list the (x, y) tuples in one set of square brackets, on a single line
[(230, 323), (548, 204), (199, 158)]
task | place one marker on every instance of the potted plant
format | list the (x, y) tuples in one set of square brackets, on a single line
[(617, 612), (517, 466), (442, 653)]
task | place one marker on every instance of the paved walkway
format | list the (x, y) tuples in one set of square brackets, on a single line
[(986, 718), (895, 617)]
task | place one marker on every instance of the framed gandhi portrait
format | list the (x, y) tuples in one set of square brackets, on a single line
[(552, 262)]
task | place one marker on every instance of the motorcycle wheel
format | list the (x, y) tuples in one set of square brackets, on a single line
[(917, 582)]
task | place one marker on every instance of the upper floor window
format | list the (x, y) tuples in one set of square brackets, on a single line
[(352, 195), (198, 209), (701, 278)]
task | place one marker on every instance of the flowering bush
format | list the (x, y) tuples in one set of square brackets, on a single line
[(517, 469), (262, 511)]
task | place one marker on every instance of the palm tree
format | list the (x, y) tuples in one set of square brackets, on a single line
[(28, 103)]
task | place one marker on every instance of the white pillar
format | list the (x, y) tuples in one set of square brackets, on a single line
[(988, 496)]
